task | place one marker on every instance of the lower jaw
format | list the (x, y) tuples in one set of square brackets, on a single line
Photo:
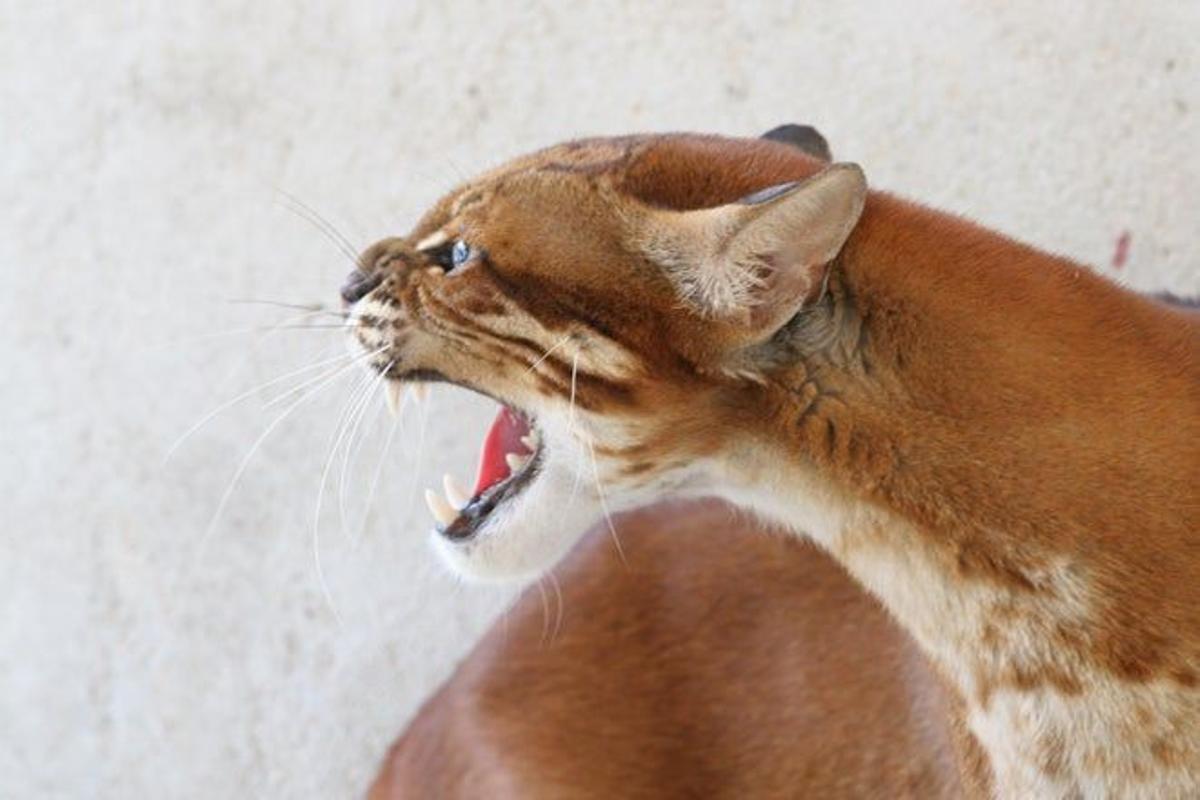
[(475, 514), (510, 459)]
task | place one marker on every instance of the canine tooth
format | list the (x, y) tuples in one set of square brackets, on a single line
[(441, 510), (420, 392), (530, 440), (455, 493), (394, 390), (515, 462)]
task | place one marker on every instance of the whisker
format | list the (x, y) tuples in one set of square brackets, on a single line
[(360, 391), (308, 213), (612, 529), (323, 220), (252, 347), (419, 461), (387, 446), (572, 429), (255, 301), (546, 354), (347, 450), (339, 326), (558, 614), (331, 234), (286, 324), (571, 408), (360, 357), (246, 394), (545, 613), (258, 443)]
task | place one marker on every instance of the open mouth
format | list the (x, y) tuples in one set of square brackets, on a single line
[(509, 459)]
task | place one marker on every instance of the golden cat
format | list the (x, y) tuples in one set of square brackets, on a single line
[(1000, 445)]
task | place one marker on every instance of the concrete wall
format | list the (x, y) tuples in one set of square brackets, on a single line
[(148, 650)]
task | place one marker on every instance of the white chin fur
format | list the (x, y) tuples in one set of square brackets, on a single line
[(528, 534)]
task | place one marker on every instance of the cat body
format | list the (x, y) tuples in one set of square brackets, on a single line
[(997, 443)]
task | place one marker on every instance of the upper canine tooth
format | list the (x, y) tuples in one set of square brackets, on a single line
[(455, 492), (394, 391), (515, 462), (530, 440), (441, 510), (420, 392)]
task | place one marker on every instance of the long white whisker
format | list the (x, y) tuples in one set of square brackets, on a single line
[(571, 426), (387, 446), (558, 615), (303, 210), (288, 323), (419, 461), (246, 394), (612, 529), (325, 223), (571, 408), (545, 613), (258, 443), (358, 358), (253, 347), (359, 392), (349, 446), (315, 308), (546, 354)]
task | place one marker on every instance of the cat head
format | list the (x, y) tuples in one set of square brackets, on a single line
[(626, 301)]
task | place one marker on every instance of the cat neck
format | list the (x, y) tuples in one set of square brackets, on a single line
[(1002, 447)]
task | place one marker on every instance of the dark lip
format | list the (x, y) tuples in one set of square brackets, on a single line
[(479, 508), (423, 376)]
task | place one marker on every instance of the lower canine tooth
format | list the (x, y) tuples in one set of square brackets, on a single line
[(515, 462), (394, 391), (441, 510), (530, 441)]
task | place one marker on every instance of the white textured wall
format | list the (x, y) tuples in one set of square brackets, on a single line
[(142, 145)]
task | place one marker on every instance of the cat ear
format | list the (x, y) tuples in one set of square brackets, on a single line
[(754, 263), (803, 137)]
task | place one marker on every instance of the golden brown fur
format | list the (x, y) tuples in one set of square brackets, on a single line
[(745, 665), (999, 444)]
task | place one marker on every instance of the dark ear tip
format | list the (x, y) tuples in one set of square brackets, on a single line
[(804, 137)]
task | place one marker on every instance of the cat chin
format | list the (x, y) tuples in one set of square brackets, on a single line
[(527, 535)]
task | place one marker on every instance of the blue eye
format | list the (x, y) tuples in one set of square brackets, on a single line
[(459, 254)]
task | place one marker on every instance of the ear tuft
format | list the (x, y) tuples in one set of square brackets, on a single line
[(804, 137)]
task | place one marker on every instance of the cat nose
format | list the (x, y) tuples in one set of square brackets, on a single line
[(358, 284)]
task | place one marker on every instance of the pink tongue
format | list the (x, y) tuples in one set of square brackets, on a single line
[(503, 437)]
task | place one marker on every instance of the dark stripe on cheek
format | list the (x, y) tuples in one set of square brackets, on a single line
[(451, 313), (533, 297), (591, 391)]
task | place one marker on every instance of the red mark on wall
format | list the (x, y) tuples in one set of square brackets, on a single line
[(1121, 253)]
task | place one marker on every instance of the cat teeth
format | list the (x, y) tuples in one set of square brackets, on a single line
[(531, 440), (420, 392), (455, 492), (442, 511), (394, 391), (515, 462)]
